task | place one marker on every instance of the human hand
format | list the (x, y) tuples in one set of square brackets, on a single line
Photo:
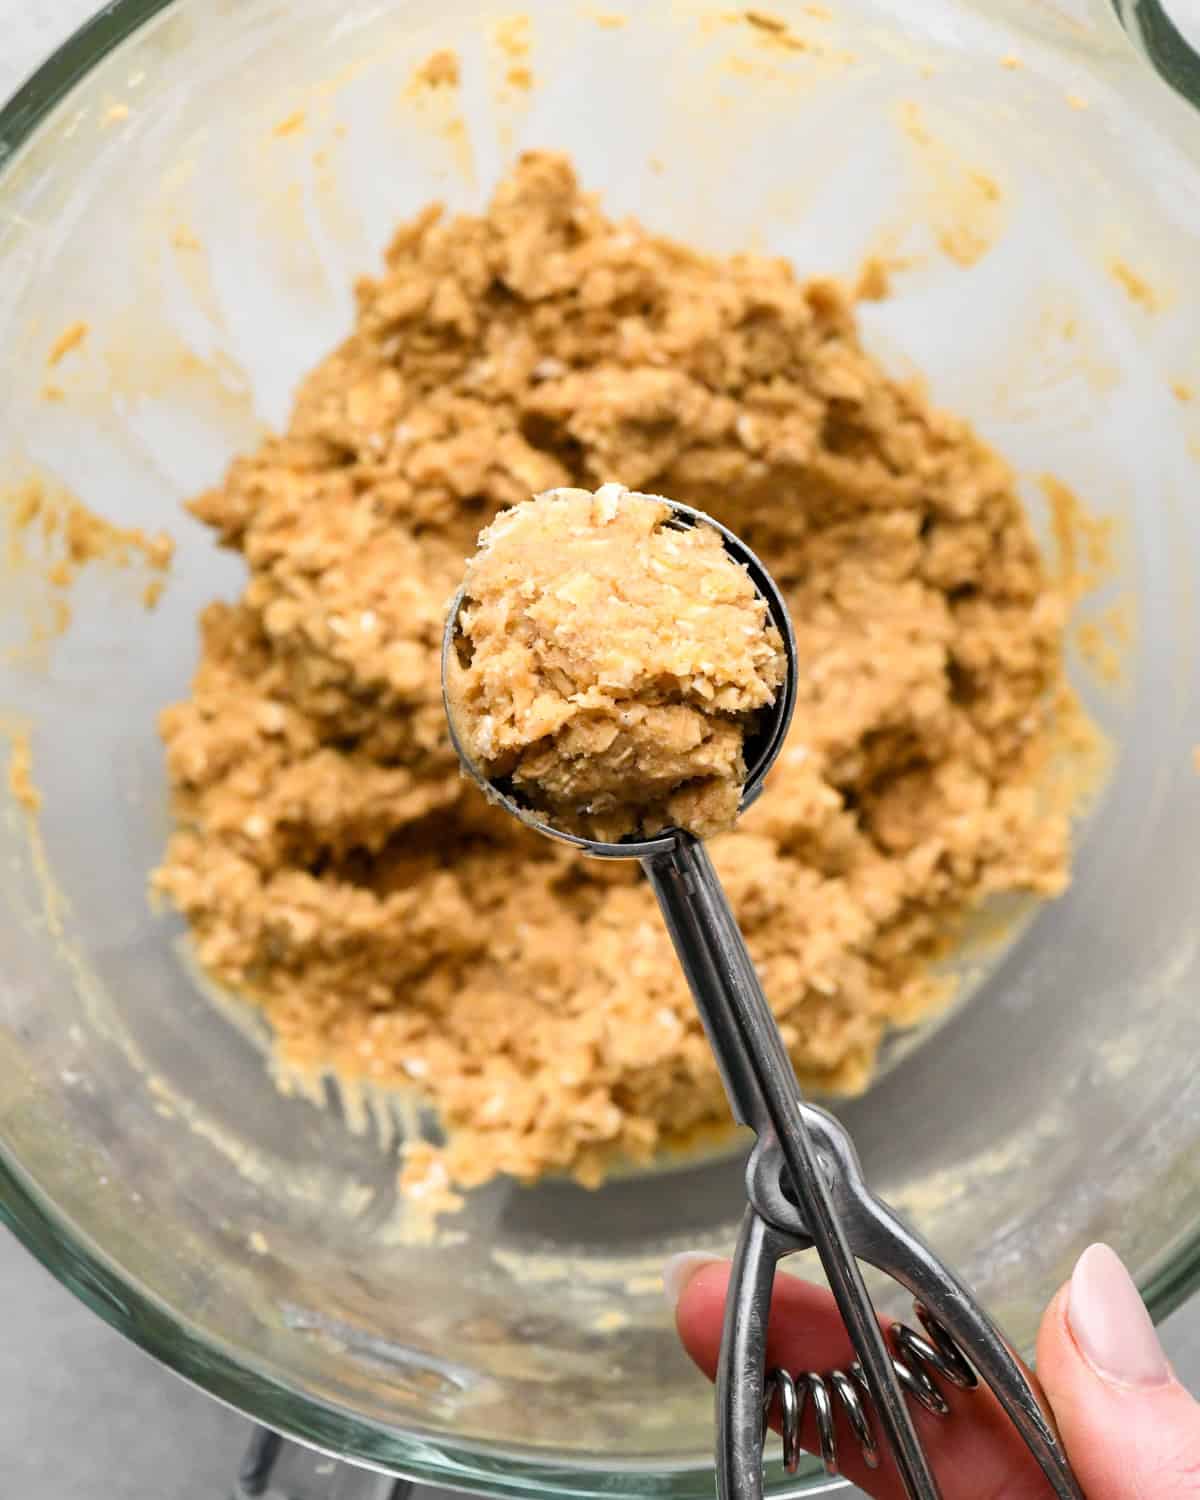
[(1132, 1432)]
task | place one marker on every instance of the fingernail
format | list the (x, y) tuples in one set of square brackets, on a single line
[(1110, 1323), (680, 1269)]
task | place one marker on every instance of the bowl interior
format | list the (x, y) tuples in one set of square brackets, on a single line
[(201, 197)]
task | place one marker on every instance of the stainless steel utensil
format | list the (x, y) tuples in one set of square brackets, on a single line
[(803, 1181)]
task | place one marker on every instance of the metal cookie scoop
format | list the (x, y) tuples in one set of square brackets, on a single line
[(803, 1180)]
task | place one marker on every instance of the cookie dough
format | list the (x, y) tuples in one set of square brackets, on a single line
[(335, 868), (610, 662)]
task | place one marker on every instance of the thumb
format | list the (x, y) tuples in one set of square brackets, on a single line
[(1131, 1430)]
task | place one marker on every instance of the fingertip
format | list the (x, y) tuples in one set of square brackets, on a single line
[(700, 1313), (1128, 1425), (683, 1268)]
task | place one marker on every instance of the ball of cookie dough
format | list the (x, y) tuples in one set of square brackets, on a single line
[(610, 662)]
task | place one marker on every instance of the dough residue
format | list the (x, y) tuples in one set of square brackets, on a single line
[(69, 339), (1135, 285), (21, 784), (51, 537), (332, 864), (441, 69), (610, 662)]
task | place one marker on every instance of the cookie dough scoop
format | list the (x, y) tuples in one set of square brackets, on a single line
[(599, 723)]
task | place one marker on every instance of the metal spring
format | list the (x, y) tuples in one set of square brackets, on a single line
[(915, 1360)]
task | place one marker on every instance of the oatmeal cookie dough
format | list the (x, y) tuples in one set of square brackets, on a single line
[(610, 663), (332, 864)]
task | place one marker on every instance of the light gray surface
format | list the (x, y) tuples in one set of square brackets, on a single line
[(84, 1415)]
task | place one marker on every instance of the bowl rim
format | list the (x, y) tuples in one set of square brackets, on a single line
[(91, 1276)]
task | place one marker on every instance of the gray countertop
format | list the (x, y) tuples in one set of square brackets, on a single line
[(83, 1414)]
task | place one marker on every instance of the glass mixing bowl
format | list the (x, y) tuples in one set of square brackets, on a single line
[(198, 182)]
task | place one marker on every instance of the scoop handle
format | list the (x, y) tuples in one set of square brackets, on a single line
[(764, 1094), (882, 1237)]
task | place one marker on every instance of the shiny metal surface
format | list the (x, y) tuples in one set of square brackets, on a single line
[(813, 1195), (757, 1072), (914, 1361), (762, 747), (764, 1095), (964, 1343)]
